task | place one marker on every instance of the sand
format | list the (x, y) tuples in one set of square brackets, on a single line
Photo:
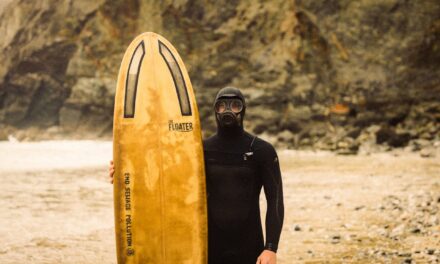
[(56, 206)]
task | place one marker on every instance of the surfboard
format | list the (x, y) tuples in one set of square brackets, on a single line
[(159, 181)]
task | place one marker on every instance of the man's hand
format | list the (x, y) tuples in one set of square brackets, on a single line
[(111, 171), (267, 257)]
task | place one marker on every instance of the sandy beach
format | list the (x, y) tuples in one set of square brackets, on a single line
[(56, 205)]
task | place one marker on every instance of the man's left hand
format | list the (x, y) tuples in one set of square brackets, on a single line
[(267, 257)]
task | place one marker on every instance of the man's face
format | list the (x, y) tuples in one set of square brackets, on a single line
[(228, 111)]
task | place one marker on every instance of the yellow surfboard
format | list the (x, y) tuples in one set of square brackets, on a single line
[(159, 181)]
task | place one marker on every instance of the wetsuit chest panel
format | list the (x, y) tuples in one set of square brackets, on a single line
[(232, 184)]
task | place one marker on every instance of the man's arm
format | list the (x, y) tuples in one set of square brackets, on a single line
[(273, 189)]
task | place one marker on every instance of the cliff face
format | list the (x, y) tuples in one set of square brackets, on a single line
[(328, 74)]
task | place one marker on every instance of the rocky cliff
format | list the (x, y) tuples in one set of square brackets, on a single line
[(324, 74)]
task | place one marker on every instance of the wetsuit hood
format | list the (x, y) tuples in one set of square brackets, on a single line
[(236, 128)]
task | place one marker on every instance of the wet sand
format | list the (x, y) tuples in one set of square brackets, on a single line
[(56, 206)]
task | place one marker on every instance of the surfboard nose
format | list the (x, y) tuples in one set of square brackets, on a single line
[(156, 58)]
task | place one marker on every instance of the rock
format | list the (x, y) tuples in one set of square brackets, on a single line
[(399, 140), (408, 260), (366, 119), (292, 125), (415, 230), (398, 231), (354, 133), (285, 136), (89, 103), (69, 118), (317, 131), (325, 143), (419, 144), (304, 142), (388, 135), (297, 228), (60, 67), (304, 85), (430, 251), (92, 91), (297, 114), (384, 134), (427, 152), (357, 208), (336, 239), (347, 146), (319, 112), (404, 254)]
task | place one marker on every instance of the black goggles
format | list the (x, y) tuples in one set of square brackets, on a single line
[(235, 105)]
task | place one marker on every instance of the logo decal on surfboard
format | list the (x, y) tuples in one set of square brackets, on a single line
[(180, 127), (128, 218)]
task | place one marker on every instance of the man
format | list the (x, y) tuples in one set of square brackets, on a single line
[(238, 165)]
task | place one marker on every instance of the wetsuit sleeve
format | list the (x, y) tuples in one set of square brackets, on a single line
[(273, 189)]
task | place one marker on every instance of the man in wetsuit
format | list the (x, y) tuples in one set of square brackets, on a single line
[(238, 165)]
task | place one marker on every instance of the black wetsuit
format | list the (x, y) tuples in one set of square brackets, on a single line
[(238, 165)]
